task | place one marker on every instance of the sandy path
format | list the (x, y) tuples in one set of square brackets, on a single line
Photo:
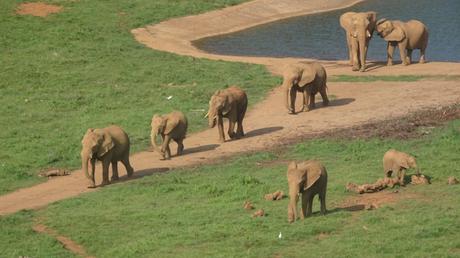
[(267, 124)]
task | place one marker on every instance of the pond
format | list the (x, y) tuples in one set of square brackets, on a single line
[(320, 35)]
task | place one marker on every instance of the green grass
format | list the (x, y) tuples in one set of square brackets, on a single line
[(198, 212), (82, 68), (392, 78)]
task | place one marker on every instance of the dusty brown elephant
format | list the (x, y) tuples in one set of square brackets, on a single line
[(397, 162), (308, 78), (172, 126), (359, 28), (232, 104), (309, 178), (109, 145), (407, 35)]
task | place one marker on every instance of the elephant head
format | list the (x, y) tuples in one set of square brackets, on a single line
[(409, 162), (162, 125), (389, 31), (95, 144), (218, 105), (296, 76), (299, 180), (359, 28)]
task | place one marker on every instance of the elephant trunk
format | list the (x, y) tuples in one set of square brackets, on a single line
[(362, 51), (85, 158), (212, 117), (292, 206), (153, 139), (286, 98)]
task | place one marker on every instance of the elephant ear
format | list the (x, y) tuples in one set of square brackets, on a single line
[(226, 106), (346, 21), (397, 34), (106, 145), (312, 177), (307, 76), (404, 162), (170, 123)]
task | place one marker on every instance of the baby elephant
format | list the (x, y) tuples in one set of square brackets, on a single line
[(397, 162), (172, 126), (109, 145), (309, 178), (232, 104)]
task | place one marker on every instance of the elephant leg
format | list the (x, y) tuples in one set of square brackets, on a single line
[(305, 101), (390, 51), (310, 204), (180, 147), (322, 199), (401, 174), (324, 96), (402, 52), (105, 172), (293, 94), (114, 171), (422, 55), (409, 56), (129, 169), (165, 151), (303, 214), (355, 52), (220, 128), (231, 128), (311, 104), (350, 52), (93, 171)]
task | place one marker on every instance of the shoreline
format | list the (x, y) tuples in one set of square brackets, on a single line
[(178, 35)]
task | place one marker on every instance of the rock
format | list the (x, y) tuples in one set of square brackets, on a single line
[(452, 180), (278, 195), (248, 205), (372, 206), (54, 172), (259, 213), (419, 180)]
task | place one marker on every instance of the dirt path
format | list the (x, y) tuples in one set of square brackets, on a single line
[(268, 123)]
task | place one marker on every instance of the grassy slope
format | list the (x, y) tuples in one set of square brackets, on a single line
[(198, 212), (82, 68)]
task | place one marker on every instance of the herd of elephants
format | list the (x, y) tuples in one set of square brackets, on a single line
[(111, 144)]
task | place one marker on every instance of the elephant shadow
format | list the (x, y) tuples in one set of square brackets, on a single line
[(201, 148), (262, 131), (341, 102)]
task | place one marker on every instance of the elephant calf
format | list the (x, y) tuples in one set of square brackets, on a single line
[(232, 104), (306, 78), (309, 178), (407, 35), (109, 145), (397, 162), (172, 126)]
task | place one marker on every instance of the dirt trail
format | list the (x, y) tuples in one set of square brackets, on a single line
[(268, 123)]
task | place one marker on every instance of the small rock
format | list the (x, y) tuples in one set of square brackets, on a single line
[(452, 180), (419, 180), (259, 213), (278, 195), (371, 206), (248, 205)]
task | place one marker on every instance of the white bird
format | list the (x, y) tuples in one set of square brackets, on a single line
[(280, 236)]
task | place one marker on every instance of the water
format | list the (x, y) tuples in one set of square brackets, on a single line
[(320, 35)]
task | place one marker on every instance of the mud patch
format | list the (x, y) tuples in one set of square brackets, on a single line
[(38, 9), (65, 241)]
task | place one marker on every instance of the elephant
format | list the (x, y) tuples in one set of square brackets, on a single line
[(407, 35), (309, 178), (359, 28), (172, 126), (232, 104), (109, 145), (397, 162), (308, 78)]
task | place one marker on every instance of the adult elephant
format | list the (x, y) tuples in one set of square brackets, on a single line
[(308, 78), (309, 178), (109, 145), (232, 104), (359, 28), (172, 126), (407, 35)]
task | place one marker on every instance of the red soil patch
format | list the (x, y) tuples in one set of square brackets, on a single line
[(38, 9), (65, 241)]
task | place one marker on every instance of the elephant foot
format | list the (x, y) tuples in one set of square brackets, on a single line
[(355, 68), (306, 109), (422, 61), (114, 178), (406, 63), (326, 103), (291, 113), (389, 63), (105, 182), (92, 186), (130, 173), (221, 140), (362, 69)]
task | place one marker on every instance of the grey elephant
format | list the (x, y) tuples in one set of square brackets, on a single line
[(359, 28), (407, 35), (308, 178), (397, 162), (172, 126), (109, 145), (232, 104), (307, 78)]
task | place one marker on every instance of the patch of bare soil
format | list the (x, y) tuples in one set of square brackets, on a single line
[(65, 241), (38, 9), (374, 200)]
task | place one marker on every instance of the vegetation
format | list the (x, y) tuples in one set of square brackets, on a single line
[(198, 212), (82, 68)]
